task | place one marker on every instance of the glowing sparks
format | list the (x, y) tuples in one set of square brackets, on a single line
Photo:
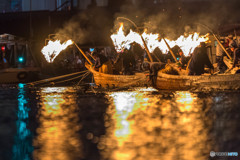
[(153, 41), (53, 48)]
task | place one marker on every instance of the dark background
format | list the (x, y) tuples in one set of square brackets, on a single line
[(94, 25)]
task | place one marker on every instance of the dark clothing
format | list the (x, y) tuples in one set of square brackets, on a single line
[(198, 61), (183, 60), (154, 67), (100, 60), (128, 62), (219, 58), (221, 65), (236, 56)]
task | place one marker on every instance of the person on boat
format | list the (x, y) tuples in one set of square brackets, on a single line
[(219, 56), (78, 64), (230, 40), (199, 60), (102, 63), (236, 54), (128, 62), (89, 56), (182, 60), (138, 54), (153, 68)]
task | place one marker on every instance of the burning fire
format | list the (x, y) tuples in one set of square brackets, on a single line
[(121, 41), (53, 48), (186, 43)]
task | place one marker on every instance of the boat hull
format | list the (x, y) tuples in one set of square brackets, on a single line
[(185, 82), (118, 81), (18, 75)]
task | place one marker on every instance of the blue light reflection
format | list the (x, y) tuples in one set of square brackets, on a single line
[(22, 148)]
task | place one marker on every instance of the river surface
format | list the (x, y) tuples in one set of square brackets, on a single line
[(63, 123)]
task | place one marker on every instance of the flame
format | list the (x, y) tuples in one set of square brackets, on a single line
[(53, 48), (189, 43), (121, 41), (153, 41)]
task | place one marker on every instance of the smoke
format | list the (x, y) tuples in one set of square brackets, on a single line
[(74, 30), (88, 27), (175, 17), (170, 19)]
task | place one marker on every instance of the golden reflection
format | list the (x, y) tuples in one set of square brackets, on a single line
[(57, 136), (143, 125), (185, 100), (124, 103)]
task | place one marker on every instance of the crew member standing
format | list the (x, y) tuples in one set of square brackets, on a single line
[(236, 53), (153, 68), (182, 59), (128, 62), (219, 56), (102, 63), (199, 60)]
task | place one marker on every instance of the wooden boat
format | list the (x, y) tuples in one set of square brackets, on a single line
[(18, 75), (205, 81), (118, 81)]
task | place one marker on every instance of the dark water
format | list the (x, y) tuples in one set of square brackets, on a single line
[(62, 123)]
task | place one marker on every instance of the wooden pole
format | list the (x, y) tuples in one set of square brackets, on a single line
[(144, 43), (156, 57), (92, 56), (49, 37), (222, 47), (216, 39), (174, 57), (149, 55), (83, 54)]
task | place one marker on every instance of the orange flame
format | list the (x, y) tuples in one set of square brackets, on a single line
[(186, 43), (121, 41), (53, 49)]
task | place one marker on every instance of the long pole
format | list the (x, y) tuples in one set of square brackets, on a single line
[(144, 43), (174, 57), (49, 37), (216, 39), (222, 46), (156, 57), (92, 56), (147, 50), (83, 53)]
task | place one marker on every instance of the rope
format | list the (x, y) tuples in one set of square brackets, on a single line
[(54, 78), (84, 76), (70, 79), (53, 83), (92, 86)]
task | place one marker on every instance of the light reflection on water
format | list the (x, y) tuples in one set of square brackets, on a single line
[(62, 123), (57, 134), (22, 148), (142, 129)]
